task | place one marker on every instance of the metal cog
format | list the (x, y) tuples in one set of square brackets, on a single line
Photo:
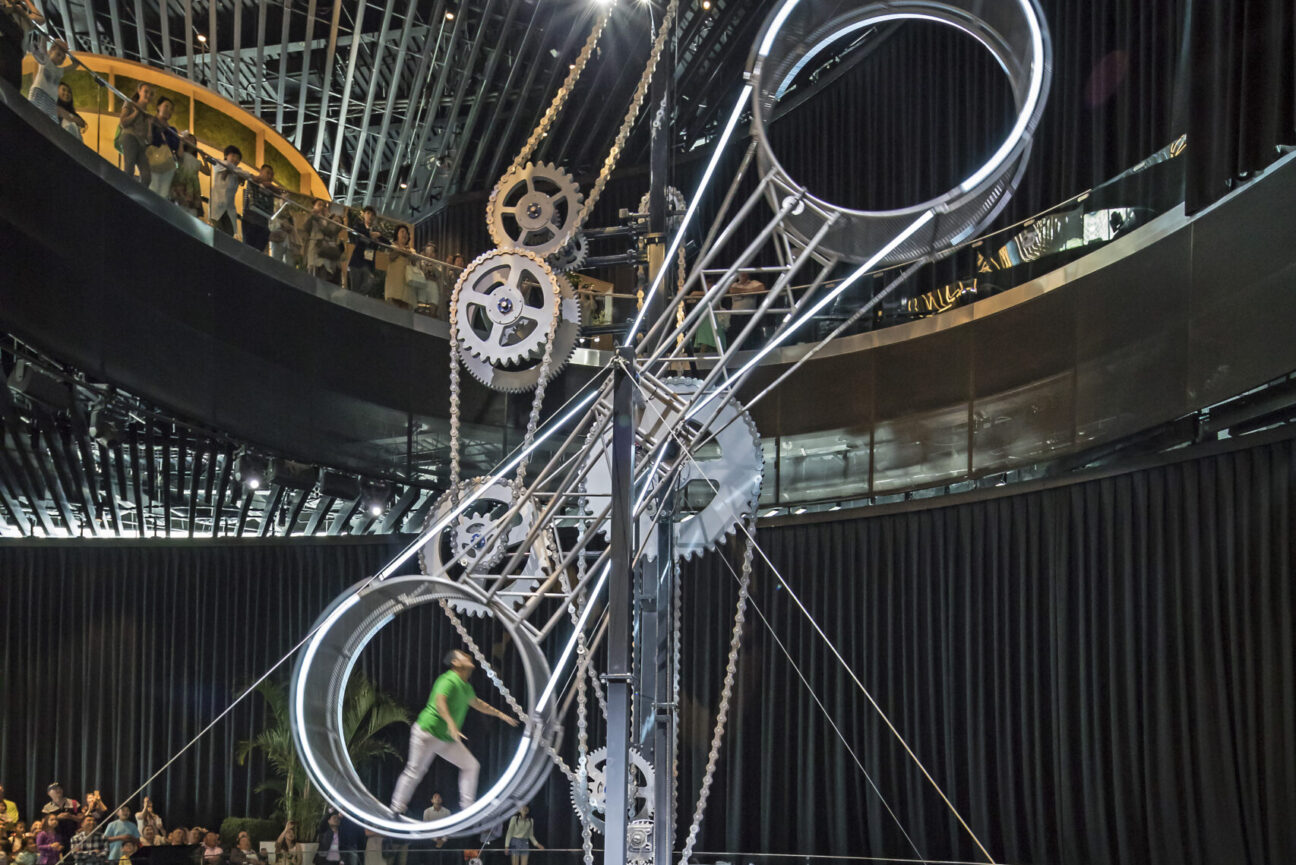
[(639, 842), (535, 208), (674, 201), (589, 795), (732, 461), (525, 374), (505, 306), (570, 256), (461, 546)]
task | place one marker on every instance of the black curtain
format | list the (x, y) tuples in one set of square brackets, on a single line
[(1242, 91), (1096, 673)]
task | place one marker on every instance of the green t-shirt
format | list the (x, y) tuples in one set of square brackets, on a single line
[(458, 694)]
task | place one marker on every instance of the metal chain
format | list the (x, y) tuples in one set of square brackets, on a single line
[(726, 693), (641, 92), (677, 600), (503, 689), (455, 389), (533, 419), (560, 98), (573, 612)]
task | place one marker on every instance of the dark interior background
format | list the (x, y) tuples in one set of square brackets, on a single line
[(1101, 672)]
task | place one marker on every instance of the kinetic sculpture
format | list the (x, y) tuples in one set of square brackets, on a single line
[(538, 555)]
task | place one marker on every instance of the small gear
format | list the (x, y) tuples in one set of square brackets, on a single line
[(465, 549), (719, 486), (675, 207), (570, 256), (589, 788), (535, 208), (522, 375), (639, 842), (504, 306)]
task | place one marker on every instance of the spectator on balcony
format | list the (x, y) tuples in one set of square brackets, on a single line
[(135, 134), (286, 242), (186, 191), (458, 261), (49, 72), (72, 122), (324, 244), (178, 837), (426, 279), (226, 179), (259, 207), (397, 289), (744, 296), (362, 271), (164, 148), (212, 851), (16, 20)]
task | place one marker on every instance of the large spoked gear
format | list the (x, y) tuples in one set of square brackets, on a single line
[(674, 202), (468, 553), (570, 256), (589, 788), (720, 485), (535, 208), (525, 374), (505, 306)]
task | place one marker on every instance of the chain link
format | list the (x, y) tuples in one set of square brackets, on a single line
[(726, 694), (627, 125)]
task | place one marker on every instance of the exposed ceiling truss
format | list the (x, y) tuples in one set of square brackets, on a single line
[(404, 104)]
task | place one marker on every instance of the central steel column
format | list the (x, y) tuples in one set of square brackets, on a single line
[(620, 597)]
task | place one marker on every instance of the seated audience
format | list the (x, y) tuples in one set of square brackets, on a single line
[(128, 850), (163, 148), (89, 846), (49, 72), (243, 852), (225, 183), (146, 816), (135, 134), (119, 831), (48, 844), (212, 851), (72, 122)]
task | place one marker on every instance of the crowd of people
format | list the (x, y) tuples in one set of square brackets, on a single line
[(330, 242), (84, 833)]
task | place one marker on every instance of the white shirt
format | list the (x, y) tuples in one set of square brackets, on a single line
[(224, 186)]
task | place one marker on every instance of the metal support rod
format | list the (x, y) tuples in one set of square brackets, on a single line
[(620, 585)]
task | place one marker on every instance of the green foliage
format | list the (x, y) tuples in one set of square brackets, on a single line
[(366, 712), (214, 127), (285, 175), (259, 830)]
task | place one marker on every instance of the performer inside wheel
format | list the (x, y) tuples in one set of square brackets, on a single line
[(438, 732)]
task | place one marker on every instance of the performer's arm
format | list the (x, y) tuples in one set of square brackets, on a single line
[(487, 709)]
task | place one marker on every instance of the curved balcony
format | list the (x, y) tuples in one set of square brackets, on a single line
[(1170, 317)]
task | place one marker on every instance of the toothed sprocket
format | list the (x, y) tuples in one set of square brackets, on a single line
[(468, 549), (589, 788), (535, 207), (524, 375), (504, 307)]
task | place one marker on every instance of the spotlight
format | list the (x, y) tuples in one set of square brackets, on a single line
[(202, 37), (374, 497), (799, 511), (449, 14), (1003, 480), (251, 470), (706, 5)]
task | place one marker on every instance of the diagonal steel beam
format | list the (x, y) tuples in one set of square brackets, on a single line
[(465, 76), (226, 470), (344, 515), (236, 82), (39, 457), (108, 456), (352, 57), (273, 500), (295, 509), (93, 31), (284, 22), (328, 84), (188, 38), (421, 79), (194, 477), (379, 145), (305, 75), (260, 56), (375, 70), (165, 15), (322, 506), (212, 81), (137, 486)]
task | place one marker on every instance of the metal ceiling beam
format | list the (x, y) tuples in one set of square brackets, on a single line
[(227, 469), (236, 77), (460, 92), (107, 456), (379, 148), (88, 7), (434, 104), (260, 55), (424, 76), (343, 517), (322, 507), (328, 82), (352, 57), (305, 75), (188, 38), (166, 33), (9, 480), (273, 500), (64, 453), (136, 485), (375, 65), (36, 454), (295, 509), (402, 507), (284, 21), (212, 47), (195, 475)]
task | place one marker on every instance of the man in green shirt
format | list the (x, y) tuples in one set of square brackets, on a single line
[(438, 732)]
